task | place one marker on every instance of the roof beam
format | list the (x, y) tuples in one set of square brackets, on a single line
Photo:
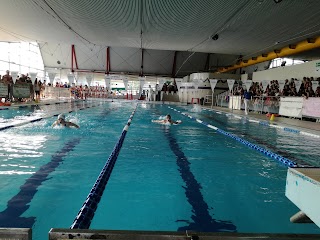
[(286, 51), (73, 57)]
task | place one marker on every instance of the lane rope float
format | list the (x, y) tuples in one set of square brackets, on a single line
[(273, 155), (87, 211)]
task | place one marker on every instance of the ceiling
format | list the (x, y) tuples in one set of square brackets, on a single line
[(243, 27)]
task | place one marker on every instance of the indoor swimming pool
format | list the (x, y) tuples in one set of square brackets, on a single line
[(166, 178)]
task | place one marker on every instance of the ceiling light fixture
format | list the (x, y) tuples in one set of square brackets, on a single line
[(277, 1)]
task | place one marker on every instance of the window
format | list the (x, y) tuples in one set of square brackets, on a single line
[(281, 62), (23, 57)]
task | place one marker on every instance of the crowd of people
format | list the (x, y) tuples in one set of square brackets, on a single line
[(289, 89), (36, 89)]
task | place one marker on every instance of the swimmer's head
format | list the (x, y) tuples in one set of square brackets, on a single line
[(61, 116), (168, 116)]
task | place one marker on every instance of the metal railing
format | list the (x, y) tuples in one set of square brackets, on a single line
[(56, 92), (259, 104)]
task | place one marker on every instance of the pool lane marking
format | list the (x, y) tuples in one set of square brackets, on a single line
[(265, 123), (87, 211), (40, 118), (202, 220), (18, 204), (275, 156)]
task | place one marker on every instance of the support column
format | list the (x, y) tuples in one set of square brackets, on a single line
[(108, 60), (141, 70), (73, 57), (174, 65), (206, 66)]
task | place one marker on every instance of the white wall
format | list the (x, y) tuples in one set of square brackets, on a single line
[(296, 71), (244, 77)]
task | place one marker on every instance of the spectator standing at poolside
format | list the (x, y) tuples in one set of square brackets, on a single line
[(247, 98), (37, 89), (8, 80)]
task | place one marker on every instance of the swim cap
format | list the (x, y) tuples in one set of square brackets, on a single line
[(61, 116)]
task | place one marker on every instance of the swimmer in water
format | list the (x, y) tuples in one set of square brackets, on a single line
[(62, 122), (167, 120)]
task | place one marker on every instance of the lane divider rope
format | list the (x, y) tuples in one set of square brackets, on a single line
[(37, 119), (275, 156), (87, 211), (265, 123)]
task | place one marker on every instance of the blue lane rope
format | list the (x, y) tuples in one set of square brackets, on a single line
[(275, 156), (87, 211)]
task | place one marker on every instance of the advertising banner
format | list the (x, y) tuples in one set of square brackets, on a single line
[(3, 90), (297, 85), (125, 82), (248, 84), (89, 79), (265, 84), (230, 83), (14, 76), (311, 107), (291, 106), (21, 90), (213, 83), (33, 76), (51, 77)]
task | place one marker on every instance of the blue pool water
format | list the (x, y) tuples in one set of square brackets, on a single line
[(169, 178)]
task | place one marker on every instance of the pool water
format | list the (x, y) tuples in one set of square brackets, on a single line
[(169, 178)]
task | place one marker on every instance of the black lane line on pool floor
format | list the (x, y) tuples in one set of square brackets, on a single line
[(202, 220), (18, 204), (281, 152)]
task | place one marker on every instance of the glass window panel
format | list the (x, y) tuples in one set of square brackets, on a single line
[(4, 54)]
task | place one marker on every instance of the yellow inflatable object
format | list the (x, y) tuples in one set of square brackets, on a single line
[(272, 117)]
